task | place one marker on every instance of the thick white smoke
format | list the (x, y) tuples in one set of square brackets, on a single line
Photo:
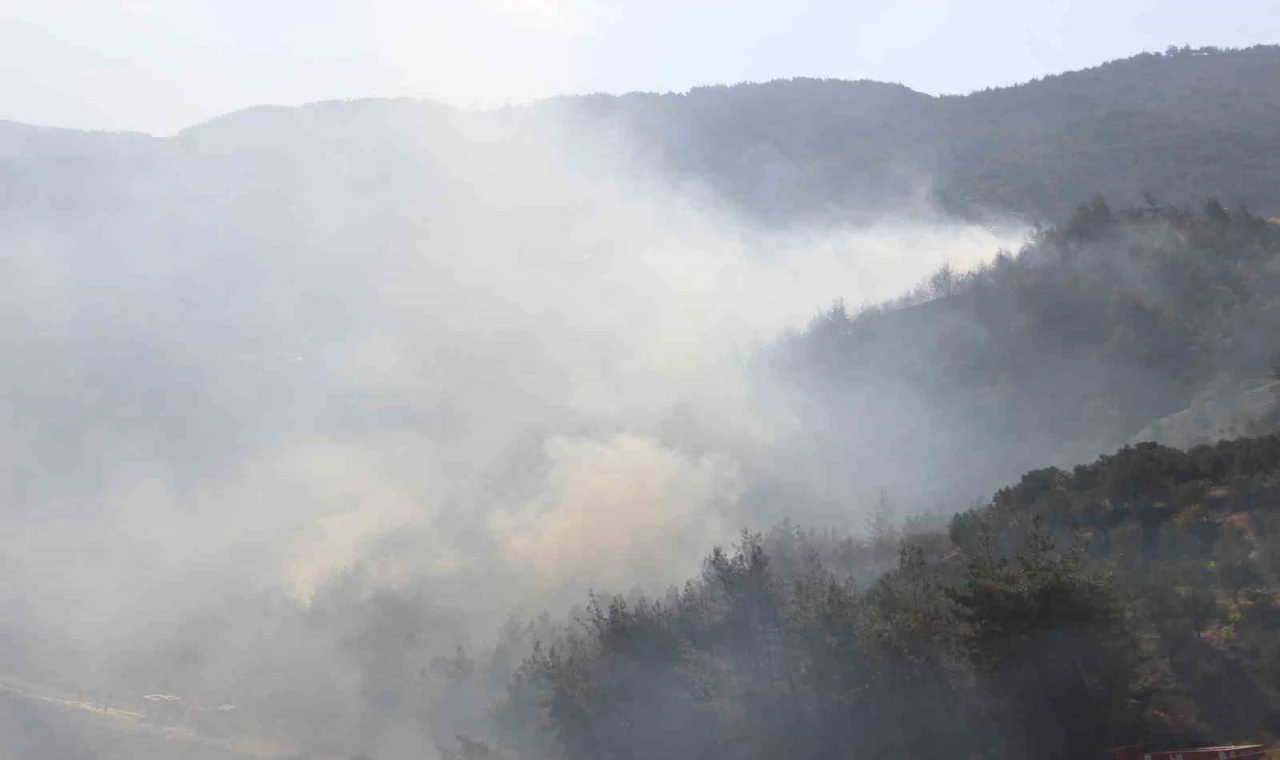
[(486, 353)]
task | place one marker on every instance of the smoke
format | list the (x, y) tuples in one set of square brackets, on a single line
[(620, 510), (493, 355)]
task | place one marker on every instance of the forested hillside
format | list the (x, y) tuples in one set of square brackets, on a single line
[(1181, 125), (1070, 347), (1133, 600), (1108, 321), (301, 403)]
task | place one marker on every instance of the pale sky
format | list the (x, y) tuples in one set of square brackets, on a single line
[(161, 65)]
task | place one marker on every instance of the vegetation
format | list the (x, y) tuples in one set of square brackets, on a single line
[(1180, 123), (1133, 600), (1069, 348)]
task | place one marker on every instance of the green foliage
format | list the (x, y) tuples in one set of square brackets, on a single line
[(1181, 124), (1073, 346), (1132, 600), (1048, 640)]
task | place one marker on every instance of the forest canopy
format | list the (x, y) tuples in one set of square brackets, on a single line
[(1135, 600), (1180, 123), (449, 368)]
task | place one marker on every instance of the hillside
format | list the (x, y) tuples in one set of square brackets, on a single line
[(1181, 125), (1072, 346), (1131, 601), (302, 403), (1210, 420), (42, 726)]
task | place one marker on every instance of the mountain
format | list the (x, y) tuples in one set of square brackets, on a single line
[(255, 235), (1211, 419), (291, 341), (1074, 345), (1179, 125), (1131, 601)]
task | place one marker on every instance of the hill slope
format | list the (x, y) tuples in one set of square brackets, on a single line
[(1131, 601), (1182, 125), (1078, 343)]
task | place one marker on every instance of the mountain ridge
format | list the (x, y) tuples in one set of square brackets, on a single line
[(1181, 124)]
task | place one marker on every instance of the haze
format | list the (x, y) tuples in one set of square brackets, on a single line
[(305, 404), (158, 67)]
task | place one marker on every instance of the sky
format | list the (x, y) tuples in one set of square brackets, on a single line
[(161, 65)]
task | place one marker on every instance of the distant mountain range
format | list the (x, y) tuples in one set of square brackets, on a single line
[(274, 222), (1174, 125)]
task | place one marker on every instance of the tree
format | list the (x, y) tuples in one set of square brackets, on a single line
[(944, 282), (1048, 640), (880, 526), (1216, 213)]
